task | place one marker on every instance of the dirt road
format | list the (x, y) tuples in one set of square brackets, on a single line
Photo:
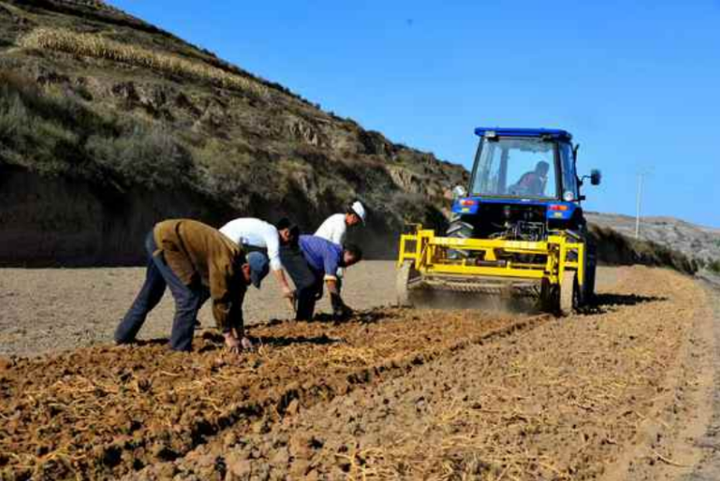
[(621, 393)]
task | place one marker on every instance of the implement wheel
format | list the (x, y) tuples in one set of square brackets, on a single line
[(569, 294), (549, 297), (405, 275)]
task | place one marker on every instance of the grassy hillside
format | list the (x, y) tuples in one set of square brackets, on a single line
[(95, 99)]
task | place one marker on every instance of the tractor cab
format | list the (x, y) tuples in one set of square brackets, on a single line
[(534, 166), (522, 175)]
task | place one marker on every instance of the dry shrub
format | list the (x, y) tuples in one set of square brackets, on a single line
[(39, 130), (93, 45), (13, 113), (713, 266), (223, 168), (147, 156), (55, 133)]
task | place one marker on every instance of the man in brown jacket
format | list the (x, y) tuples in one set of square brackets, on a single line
[(196, 262)]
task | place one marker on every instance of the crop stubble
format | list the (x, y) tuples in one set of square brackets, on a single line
[(565, 400), (391, 394), (109, 410)]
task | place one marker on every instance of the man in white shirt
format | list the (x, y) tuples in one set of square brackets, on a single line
[(251, 233), (335, 227)]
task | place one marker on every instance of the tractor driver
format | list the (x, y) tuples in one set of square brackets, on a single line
[(533, 182)]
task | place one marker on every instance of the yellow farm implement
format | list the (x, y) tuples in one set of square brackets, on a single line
[(551, 271)]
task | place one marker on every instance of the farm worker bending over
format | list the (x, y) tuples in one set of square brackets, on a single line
[(335, 228), (316, 260), (196, 262), (254, 234)]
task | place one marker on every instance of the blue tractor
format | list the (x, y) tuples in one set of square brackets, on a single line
[(517, 229)]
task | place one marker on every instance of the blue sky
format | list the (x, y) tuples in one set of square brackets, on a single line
[(637, 83)]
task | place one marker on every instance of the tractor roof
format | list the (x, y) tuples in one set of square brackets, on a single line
[(510, 132)]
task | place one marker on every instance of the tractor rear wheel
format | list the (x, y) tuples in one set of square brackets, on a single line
[(587, 293)]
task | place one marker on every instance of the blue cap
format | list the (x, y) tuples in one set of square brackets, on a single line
[(259, 267)]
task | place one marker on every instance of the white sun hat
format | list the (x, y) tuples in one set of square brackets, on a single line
[(358, 208)]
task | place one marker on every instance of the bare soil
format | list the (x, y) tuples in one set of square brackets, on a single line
[(48, 310), (623, 392)]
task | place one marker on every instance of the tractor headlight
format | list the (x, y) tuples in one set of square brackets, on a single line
[(568, 196)]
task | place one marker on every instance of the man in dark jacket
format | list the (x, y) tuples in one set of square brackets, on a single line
[(196, 262)]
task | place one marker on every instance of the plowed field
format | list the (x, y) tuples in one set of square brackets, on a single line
[(390, 394)]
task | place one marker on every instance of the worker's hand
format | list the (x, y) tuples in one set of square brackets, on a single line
[(233, 343), (340, 310), (336, 302), (290, 296), (246, 344), (343, 313)]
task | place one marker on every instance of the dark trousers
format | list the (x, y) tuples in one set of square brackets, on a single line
[(308, 281), (307, 297), (188, 300)]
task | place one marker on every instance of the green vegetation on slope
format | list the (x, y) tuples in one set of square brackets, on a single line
[(713, 266), (56, 134)]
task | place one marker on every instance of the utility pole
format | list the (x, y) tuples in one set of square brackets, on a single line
[(639, 201), (642, 174)]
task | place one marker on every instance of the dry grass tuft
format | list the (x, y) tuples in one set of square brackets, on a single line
[(93, 45)]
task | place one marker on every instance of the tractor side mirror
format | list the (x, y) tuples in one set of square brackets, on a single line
[(459, 191), (595, 177)]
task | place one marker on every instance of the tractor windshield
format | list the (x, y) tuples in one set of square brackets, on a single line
[(515, 167)]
